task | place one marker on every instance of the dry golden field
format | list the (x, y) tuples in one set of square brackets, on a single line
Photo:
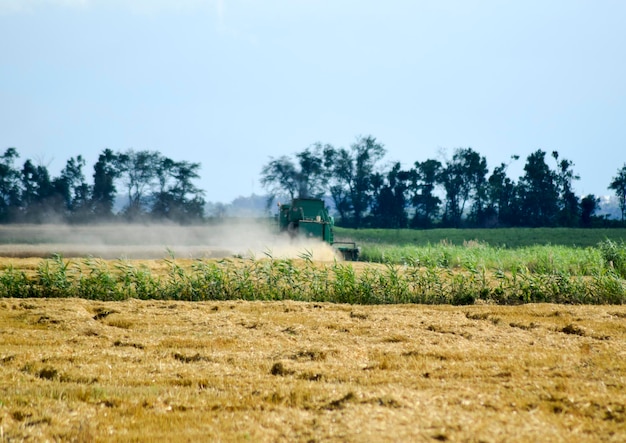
[(79, 370)]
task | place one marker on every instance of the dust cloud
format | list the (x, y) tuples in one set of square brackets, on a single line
[(149, 241)]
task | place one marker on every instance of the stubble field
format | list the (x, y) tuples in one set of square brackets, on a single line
[(79, 370)]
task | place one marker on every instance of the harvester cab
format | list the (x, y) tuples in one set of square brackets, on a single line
[(309, 218)]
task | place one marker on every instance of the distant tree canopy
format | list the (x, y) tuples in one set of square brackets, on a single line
[(365, 191), (459, 191), (156, 188)]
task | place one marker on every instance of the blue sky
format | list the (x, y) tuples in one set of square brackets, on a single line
[(231, 83)]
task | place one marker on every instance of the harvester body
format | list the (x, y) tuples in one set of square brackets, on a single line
[(309, 218)]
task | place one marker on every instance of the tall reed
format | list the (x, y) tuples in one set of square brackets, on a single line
[(287, 279)]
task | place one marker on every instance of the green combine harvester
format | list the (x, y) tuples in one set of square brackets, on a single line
[(309, 218)]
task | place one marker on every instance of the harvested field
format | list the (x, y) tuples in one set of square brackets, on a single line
[(80, 370)]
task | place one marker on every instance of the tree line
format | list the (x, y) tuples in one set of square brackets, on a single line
[(155, 188), (459, 191)]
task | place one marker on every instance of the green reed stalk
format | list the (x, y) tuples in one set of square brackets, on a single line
[(273, 279)]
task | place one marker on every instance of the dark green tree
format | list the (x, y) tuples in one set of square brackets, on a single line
[(177, 198), (163, 200), (423, 180), (390, 203), (41, 202), (352, 187), (618, 185), (569, 206), (9, 186), (501, 206), (303, 177), (280, 175), (588, 205), (72, 187), (138, 171), (104, 192), (339, 163), (367, 152), (476, 175), (464, 180), (539, 193), (312, 179)]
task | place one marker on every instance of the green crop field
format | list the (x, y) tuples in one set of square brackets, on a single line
[(500, 237)]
